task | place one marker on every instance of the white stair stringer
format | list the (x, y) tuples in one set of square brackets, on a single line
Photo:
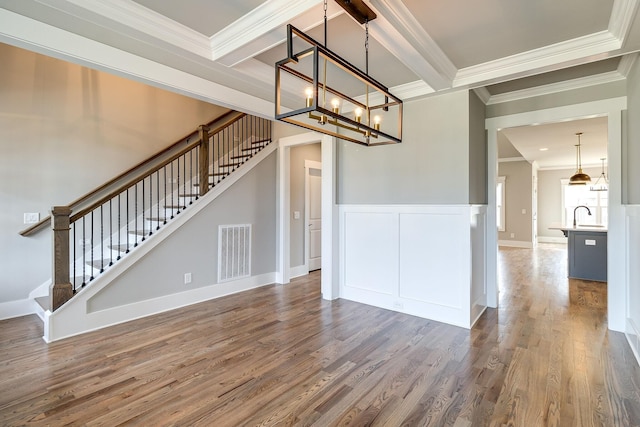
[(73, 317)]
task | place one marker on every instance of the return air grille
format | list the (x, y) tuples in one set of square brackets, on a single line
[(234, 252)]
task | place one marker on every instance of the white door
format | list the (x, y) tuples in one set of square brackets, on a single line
[(313, 214)]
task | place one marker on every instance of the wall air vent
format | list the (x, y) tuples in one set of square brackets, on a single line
[(234, 252)]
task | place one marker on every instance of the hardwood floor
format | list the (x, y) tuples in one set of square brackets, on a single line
[(279, 355)]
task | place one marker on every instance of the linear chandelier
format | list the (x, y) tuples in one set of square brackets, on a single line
[(320, 91)]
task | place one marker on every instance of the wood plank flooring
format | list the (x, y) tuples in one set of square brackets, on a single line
[(280, 355)]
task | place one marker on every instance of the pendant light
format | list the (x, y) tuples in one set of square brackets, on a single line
[(579, 178), (602, 183)]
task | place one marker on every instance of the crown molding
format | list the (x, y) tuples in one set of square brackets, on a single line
[(626, 63), (579, 83), (397, 14), (622, 15), (267, 17), (483, 94), (548, 57), (512, 159), (138, 19), (411, 90)]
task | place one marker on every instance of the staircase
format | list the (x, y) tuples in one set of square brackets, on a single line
[(96, 237)]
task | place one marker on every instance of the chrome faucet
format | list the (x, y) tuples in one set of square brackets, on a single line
[(574, 213)]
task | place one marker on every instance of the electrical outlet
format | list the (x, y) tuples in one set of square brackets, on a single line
[(296, 214), (513, 235), (398, 305), (524, 211), (31, 217), (187, 278)]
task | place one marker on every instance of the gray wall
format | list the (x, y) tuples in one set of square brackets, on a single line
[(477, 151), (298, 155), (193, 248), (550, 198), (65, 130), (518, 194), (632, 140), (430, 166)]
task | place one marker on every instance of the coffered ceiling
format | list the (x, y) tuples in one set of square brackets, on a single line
[(224, 51)]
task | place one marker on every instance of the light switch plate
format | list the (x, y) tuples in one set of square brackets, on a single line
[(296, 214)]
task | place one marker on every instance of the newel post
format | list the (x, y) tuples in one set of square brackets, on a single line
[(61, 288), (203, 167)]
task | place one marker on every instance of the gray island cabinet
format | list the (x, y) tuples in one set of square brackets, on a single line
[(587, 252)]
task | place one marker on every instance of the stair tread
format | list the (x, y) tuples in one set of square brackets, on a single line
[(260, 141), (228, 165), (156, 219), (241, 156), (257, 147), (43, 302), (218, 173), (174, 206), (98, 263), (139, 232), (120, 248)]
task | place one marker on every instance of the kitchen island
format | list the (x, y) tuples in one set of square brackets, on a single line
[(587, 252)]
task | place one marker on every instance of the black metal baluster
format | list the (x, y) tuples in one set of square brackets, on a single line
[(84, 250), (102, 238), (92, 266), (165, 196), (119, 229), (142, 212), (73, 242), (110, 232), (158, 199), (128, 220), (172, 191), (184, 179), (135, 214), (191, 174)]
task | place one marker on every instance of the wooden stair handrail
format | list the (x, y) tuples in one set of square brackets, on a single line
[(218, 123)]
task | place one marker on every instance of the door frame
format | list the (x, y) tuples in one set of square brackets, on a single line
[(308, 165), (329, 284)]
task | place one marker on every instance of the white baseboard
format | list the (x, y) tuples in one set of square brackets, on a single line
[(76, 321), (633, 338), (515, 244), (297, 271), (18, 308), (546, 239)]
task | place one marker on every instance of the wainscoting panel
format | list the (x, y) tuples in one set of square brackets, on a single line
[(414, 259), (371, 252), (428, 242), (632, 327)]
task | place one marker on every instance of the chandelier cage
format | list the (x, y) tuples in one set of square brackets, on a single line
[(318, 90)]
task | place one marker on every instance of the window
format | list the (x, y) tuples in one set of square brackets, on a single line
[(577, 195), (500, 209)]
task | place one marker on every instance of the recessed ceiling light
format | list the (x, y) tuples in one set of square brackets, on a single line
[(544, 149)]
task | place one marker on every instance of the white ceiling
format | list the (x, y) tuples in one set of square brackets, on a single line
[(559, 140), (503, 49)]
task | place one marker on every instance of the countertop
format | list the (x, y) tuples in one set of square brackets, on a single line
[(590, 228)]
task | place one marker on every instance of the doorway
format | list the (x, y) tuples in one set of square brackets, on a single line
[(613, 109)]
